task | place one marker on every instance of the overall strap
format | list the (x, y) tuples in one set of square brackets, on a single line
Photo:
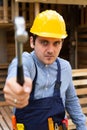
[(57, 84), (34, 82), (58, 81), (59, 72)]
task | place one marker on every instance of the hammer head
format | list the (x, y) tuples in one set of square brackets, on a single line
[(20, 33)]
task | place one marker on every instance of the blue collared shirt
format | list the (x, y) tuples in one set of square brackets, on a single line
[(46, 77)]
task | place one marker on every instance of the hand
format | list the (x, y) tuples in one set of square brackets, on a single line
[(17, 95)]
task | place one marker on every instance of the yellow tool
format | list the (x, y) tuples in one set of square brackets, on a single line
[(50, 124), (20, 126)]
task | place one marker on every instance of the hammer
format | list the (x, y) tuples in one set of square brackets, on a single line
[(21, 36)]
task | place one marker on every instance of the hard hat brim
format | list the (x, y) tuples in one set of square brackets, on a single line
[(51, 35)]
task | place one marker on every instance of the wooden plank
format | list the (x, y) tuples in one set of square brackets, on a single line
[(3, 124), (82, 49), (24, 10), (82, 36), (80, 44), (31, 11), (16, 9), (37, 8), (79, 72), (81, 91), (74, 2), (82, 15), (2, 79), (8, 110), (12, 9), (6, 117), (83, 100), (84, 110), (80, 82), (5, 6)]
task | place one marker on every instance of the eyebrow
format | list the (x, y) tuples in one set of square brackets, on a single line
[(48, 40)]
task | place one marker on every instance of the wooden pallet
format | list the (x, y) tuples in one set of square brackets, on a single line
[(80, 82)]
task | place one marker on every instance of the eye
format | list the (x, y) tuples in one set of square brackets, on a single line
[(57, 43), (44, 42)]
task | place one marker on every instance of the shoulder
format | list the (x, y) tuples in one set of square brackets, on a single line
[(29, 64), (65, 65), (27, 58)]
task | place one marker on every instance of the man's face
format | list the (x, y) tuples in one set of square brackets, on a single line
[(46, 49)]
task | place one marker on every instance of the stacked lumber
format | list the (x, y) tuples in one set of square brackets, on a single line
[(3, 74)]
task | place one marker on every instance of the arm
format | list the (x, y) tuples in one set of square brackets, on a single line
[(73, 107), (12, 90)]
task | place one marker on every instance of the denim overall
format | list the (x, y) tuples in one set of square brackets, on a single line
[(35, 115)]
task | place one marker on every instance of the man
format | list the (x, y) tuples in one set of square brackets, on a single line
[(48, 90)]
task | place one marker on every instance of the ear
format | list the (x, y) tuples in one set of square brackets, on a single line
[(32, 42)]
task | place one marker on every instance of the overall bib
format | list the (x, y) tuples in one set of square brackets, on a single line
[(35, 115)]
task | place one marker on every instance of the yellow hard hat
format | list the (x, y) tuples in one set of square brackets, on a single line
[(49, 23)]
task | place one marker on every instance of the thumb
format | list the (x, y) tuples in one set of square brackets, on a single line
[(27, 85), (27, 89)]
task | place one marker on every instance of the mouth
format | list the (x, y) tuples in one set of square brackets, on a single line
[(49, 56)]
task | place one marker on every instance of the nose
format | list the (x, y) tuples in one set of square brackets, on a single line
[(50, 48)]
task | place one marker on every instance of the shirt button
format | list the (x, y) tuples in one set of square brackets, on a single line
[(46, 88), (48, 75), (46, 65)]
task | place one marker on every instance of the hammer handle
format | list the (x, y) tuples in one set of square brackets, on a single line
[(20, 75)]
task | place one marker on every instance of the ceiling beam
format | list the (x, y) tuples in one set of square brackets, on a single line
[(72, 2)]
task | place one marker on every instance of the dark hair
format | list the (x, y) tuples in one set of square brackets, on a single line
[(34, 36)]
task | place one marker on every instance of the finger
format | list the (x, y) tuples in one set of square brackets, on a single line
[(22, 101), (12, 87), (16, 102)]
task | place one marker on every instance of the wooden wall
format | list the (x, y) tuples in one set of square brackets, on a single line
[(27, 11), (11, 52), (3, 51), (82, 39), (82, 47), (74, 46)]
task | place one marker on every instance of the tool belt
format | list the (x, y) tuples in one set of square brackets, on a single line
[(51, 124), (51, 127)]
